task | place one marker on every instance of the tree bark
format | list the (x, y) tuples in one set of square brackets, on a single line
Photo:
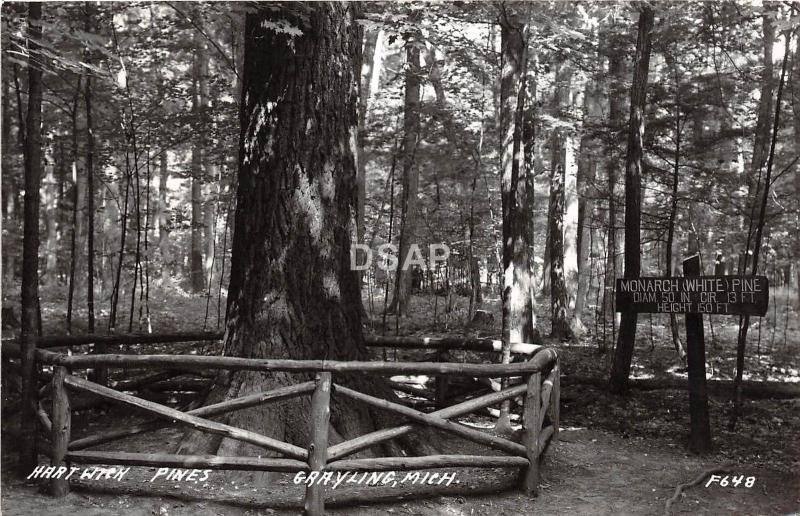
[(563, 157), (408, 221), (765, 103), (163, 218), (209, 232), (10, 190), (199, 106), (50, 203), (673, 210), (616, 67), (570, 82), (292, 293), (76, 269), (89, 27), (620, 369), (371, 72), (30, 243), (517, 316), (518, 320), (744, 322), (796, 112), (559, 328), (587, 172)]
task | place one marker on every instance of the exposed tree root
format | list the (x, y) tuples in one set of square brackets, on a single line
[(697, 480)]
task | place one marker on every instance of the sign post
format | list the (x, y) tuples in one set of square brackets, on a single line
[(695, 295), (699, 425)]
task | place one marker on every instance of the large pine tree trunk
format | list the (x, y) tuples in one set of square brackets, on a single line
[(623, 353), (30, 243), (408, 222), (292, 293)]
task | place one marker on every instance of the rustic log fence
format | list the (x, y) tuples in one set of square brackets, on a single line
[(540, 390), (163, 381)]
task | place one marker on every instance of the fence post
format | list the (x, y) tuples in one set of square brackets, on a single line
[(442, 381), (530, 432), (555, 399), (61, 429), (28, 421), (699, 422), (318, 450)]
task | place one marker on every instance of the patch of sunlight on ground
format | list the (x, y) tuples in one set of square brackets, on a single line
[(637, 374), (681, 371), (417, 380)]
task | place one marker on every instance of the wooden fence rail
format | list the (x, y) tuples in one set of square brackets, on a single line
[(190, 362), (448, 343), (540, 391)]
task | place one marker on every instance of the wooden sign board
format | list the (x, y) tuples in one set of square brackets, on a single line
[(723, 295)]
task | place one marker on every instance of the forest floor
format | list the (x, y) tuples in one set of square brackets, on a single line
[(616, 454)]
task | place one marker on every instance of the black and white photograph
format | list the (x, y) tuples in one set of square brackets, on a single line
[(450, 257)]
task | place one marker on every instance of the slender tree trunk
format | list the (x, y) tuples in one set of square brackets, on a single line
[(623, 353), (89, 27), (408, 225), (75, 267), (616, 114), (101, 373), (796, 111), (50, 189), (209, 236), (570, 106), (30, 243), (199, 105), (765, 109), (163, 210), (745, 321), (530, 169), (558, 290), (563, 157), (292, 293), (115, 292), (10, 190), (371, 72), (518, 319), (587, 171), (673, 210)]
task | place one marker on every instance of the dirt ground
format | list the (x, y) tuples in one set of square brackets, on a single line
[(587, 472), (616, 454)]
